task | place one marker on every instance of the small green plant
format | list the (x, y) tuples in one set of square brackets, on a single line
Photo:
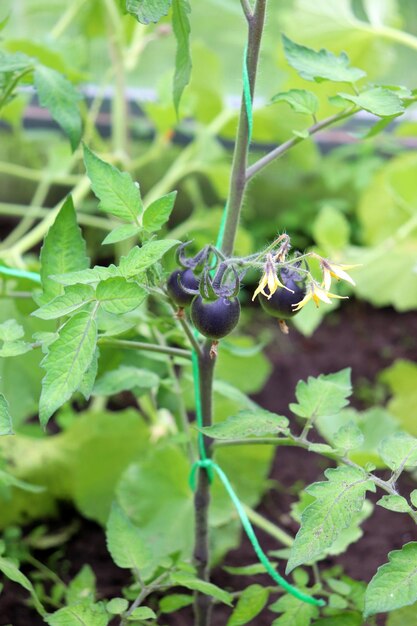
[(137, 304)]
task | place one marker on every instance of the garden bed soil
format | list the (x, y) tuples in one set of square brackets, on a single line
[(357, 336)]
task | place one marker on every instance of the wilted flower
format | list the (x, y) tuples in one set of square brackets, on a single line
[(269, 279)]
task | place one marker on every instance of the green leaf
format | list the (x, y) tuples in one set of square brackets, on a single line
[(181, 26), (300, 100), (348, 437), (247, 424), (125, 378), (379, 101), (118, 296), (66, 362), (403, 617), (14, 348), (117, 192), (10, 330), (339, 586), (336, 502), (175, 602), (250, 604), (158, 212), (142, 612), (148, 10), (74, 297), (294, 612), (413, 498), (401, 379), (124, 542), (63, 251), (121, 233), (14, 62), (97, 437), (12, 481), (12, 572), (90, 375), (246, 570), (399, 451), (395, 583), (88, 276), (394, 503), (59, 96), (342, 619), (190, 582), (82, 587), (116, 606), (86, 614), (322, 396), (6, 425), (320, 66), (331, 229), (140, 259)]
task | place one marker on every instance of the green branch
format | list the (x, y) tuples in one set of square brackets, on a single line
[(279, 151)]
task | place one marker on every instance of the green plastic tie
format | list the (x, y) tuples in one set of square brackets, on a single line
[(9, 271), (248, 528)]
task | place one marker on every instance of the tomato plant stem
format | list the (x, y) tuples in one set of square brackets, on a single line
[(203, 604), (240, 155)]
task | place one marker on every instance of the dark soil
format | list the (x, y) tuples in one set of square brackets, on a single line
[(365, 339)]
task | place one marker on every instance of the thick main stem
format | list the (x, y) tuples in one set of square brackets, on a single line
[(238, 174), (203, 602)]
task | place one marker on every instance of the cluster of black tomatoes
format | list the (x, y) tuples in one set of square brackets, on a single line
[(213, 300)]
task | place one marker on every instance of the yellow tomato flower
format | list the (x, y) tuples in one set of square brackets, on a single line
[(336, 271), (269, 279), (316, 293)]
